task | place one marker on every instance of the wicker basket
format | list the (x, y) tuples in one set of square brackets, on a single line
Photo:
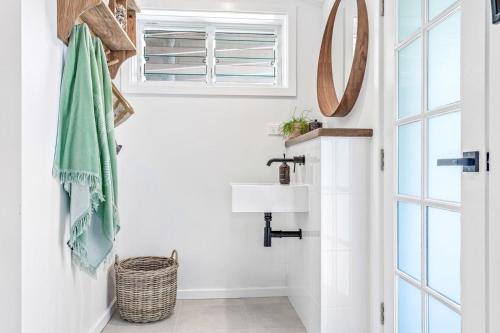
[(146, 287)]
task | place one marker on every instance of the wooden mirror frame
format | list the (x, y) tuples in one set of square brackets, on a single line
[(327, 96)]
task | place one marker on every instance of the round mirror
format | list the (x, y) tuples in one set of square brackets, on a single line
[(344, 43), (342, 60)]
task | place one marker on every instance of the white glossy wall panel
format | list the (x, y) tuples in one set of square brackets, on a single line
[(368, 113), (345, 208), (328, 271), (304, 256)]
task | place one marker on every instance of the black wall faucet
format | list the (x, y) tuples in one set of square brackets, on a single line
[(300, 160)]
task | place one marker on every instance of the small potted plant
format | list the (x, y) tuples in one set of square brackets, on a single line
[(295, 126)]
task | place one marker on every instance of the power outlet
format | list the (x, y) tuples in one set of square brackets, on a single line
[(274, 129)]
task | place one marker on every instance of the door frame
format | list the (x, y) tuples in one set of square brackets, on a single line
[(474, 94)]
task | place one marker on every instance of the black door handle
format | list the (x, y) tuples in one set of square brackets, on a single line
[(456, 162), (469, 162)]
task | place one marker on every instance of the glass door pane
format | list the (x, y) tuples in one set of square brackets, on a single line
[(409, 239), (443, 252), (409, 159), (427, 125), (444, 62), (444, 183), (437, 6), (410, 18), (442, 319), (410, 79), (409, 308)]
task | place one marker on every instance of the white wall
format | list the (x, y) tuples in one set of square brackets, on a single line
[(367, 113), (57, 297), (10, 167), (180, 154)]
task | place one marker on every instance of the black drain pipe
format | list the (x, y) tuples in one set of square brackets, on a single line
[(269, 234)]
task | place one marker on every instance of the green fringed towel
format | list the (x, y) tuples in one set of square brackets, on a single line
[(85, 156)]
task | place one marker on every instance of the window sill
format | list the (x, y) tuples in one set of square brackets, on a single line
[(145, 89)]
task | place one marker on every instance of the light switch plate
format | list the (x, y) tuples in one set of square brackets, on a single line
[(274, 129)]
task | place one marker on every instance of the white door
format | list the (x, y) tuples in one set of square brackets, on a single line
[(494, 179), (435, 211)]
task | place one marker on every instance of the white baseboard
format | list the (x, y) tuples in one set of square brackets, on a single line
[(105, 318), (232, 293)]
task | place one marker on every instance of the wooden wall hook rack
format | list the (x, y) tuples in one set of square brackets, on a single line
[(119, 43), (102, 22)]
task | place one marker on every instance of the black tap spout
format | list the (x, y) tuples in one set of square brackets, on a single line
[(300, 160), (278, 160)]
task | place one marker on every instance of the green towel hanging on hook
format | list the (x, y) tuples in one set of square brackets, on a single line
[(85, 156)]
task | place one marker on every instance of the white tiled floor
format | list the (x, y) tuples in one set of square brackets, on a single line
[(245, 315)]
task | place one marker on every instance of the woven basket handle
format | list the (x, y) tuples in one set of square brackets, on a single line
[(175, 256)]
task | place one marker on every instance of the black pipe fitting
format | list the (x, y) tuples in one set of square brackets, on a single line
[(269, 234)]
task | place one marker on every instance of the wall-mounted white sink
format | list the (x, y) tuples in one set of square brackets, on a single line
[(270, 198)]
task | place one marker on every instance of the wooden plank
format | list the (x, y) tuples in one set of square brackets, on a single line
[(68, 12), (131, 25), (104, 25), (121, 107), (338, 132), (120, 44), (124, 55), (113, 62)]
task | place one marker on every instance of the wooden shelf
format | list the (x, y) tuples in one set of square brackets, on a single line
[(102, 22), (344, 132), (98, 17), (104, 25)]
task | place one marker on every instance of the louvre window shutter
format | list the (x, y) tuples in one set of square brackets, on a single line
[(175, 55), (246, 57)]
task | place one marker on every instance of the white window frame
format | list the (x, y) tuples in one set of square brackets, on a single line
[(132, 80)]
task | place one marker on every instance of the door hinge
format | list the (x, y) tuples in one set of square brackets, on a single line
[(382, 160), (488, 161), (382, 7), (382, 313)]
